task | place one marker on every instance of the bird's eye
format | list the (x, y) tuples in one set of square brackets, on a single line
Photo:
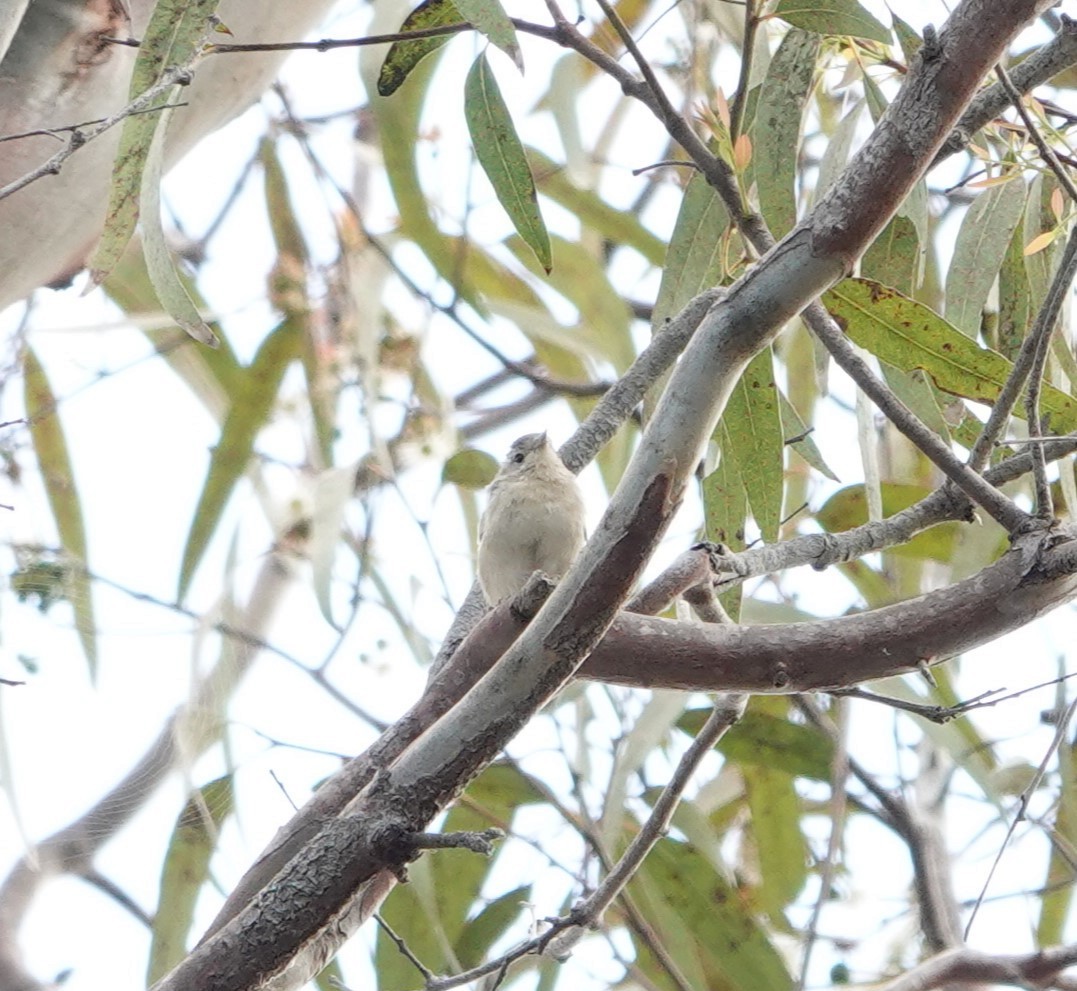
[(517, 458)]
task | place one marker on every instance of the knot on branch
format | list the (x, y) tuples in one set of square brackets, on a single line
[(831, 551), (723, 561)]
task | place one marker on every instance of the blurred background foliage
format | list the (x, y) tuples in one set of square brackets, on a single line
[(406, 328)]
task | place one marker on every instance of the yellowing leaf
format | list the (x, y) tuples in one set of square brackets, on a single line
[(50, 447), (909, 335), (1039, 242)]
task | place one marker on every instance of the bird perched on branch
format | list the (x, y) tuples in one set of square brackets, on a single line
[(533, 521)]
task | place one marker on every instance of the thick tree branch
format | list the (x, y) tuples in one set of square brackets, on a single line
[(973, 967)]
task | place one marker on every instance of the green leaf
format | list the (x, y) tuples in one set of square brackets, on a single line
[(1039, 219), (166, 282), (185, 870), (175, 30), (1014, 296), (289, 294), (848, 507), (775, 829), (396, 122), (916, 392), (1058, 887), (480, 934), (725, 509), (489, 17), (752, 436), (694, 257), (981, 245), (895, 258), (907, 37), (776, 132), (403, 56), (470, 469), (54, 462), (499, 791), (252, 403), (501, 155), (909, 335), (838, 150), (703, 922), (771, 741), (840, 17), (410, 913)]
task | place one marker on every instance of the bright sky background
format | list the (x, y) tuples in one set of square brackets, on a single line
[(140, 448)]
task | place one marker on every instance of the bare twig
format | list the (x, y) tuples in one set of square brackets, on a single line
[(726, 712), (1022, 804), (179, 75)]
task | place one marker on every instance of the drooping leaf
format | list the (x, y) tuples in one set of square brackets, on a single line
[(184, 872), (907, 37), (251, 406), (412, 915), (776, 133), (404, 55), (501, 155), (838, 149), (909, 335), (704, 923), (396, 122), (780, 846), (174, 31), (489, 17), (1040, 220), (895, 258), (832, 17), (725, 510), (772, 741), (981, 246), (57, 475), (167, 284), (752, 431), (289, 293), (1058, 890), (693, 260)]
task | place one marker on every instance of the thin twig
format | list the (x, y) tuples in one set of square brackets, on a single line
[(179, 75), (747, 48), (403, 947), (726, 712), (1026, 360), (998, 505), (1044, 328), (839, 783), (1022, 805)]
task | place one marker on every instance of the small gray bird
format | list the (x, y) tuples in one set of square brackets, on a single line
[(533, 521)]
